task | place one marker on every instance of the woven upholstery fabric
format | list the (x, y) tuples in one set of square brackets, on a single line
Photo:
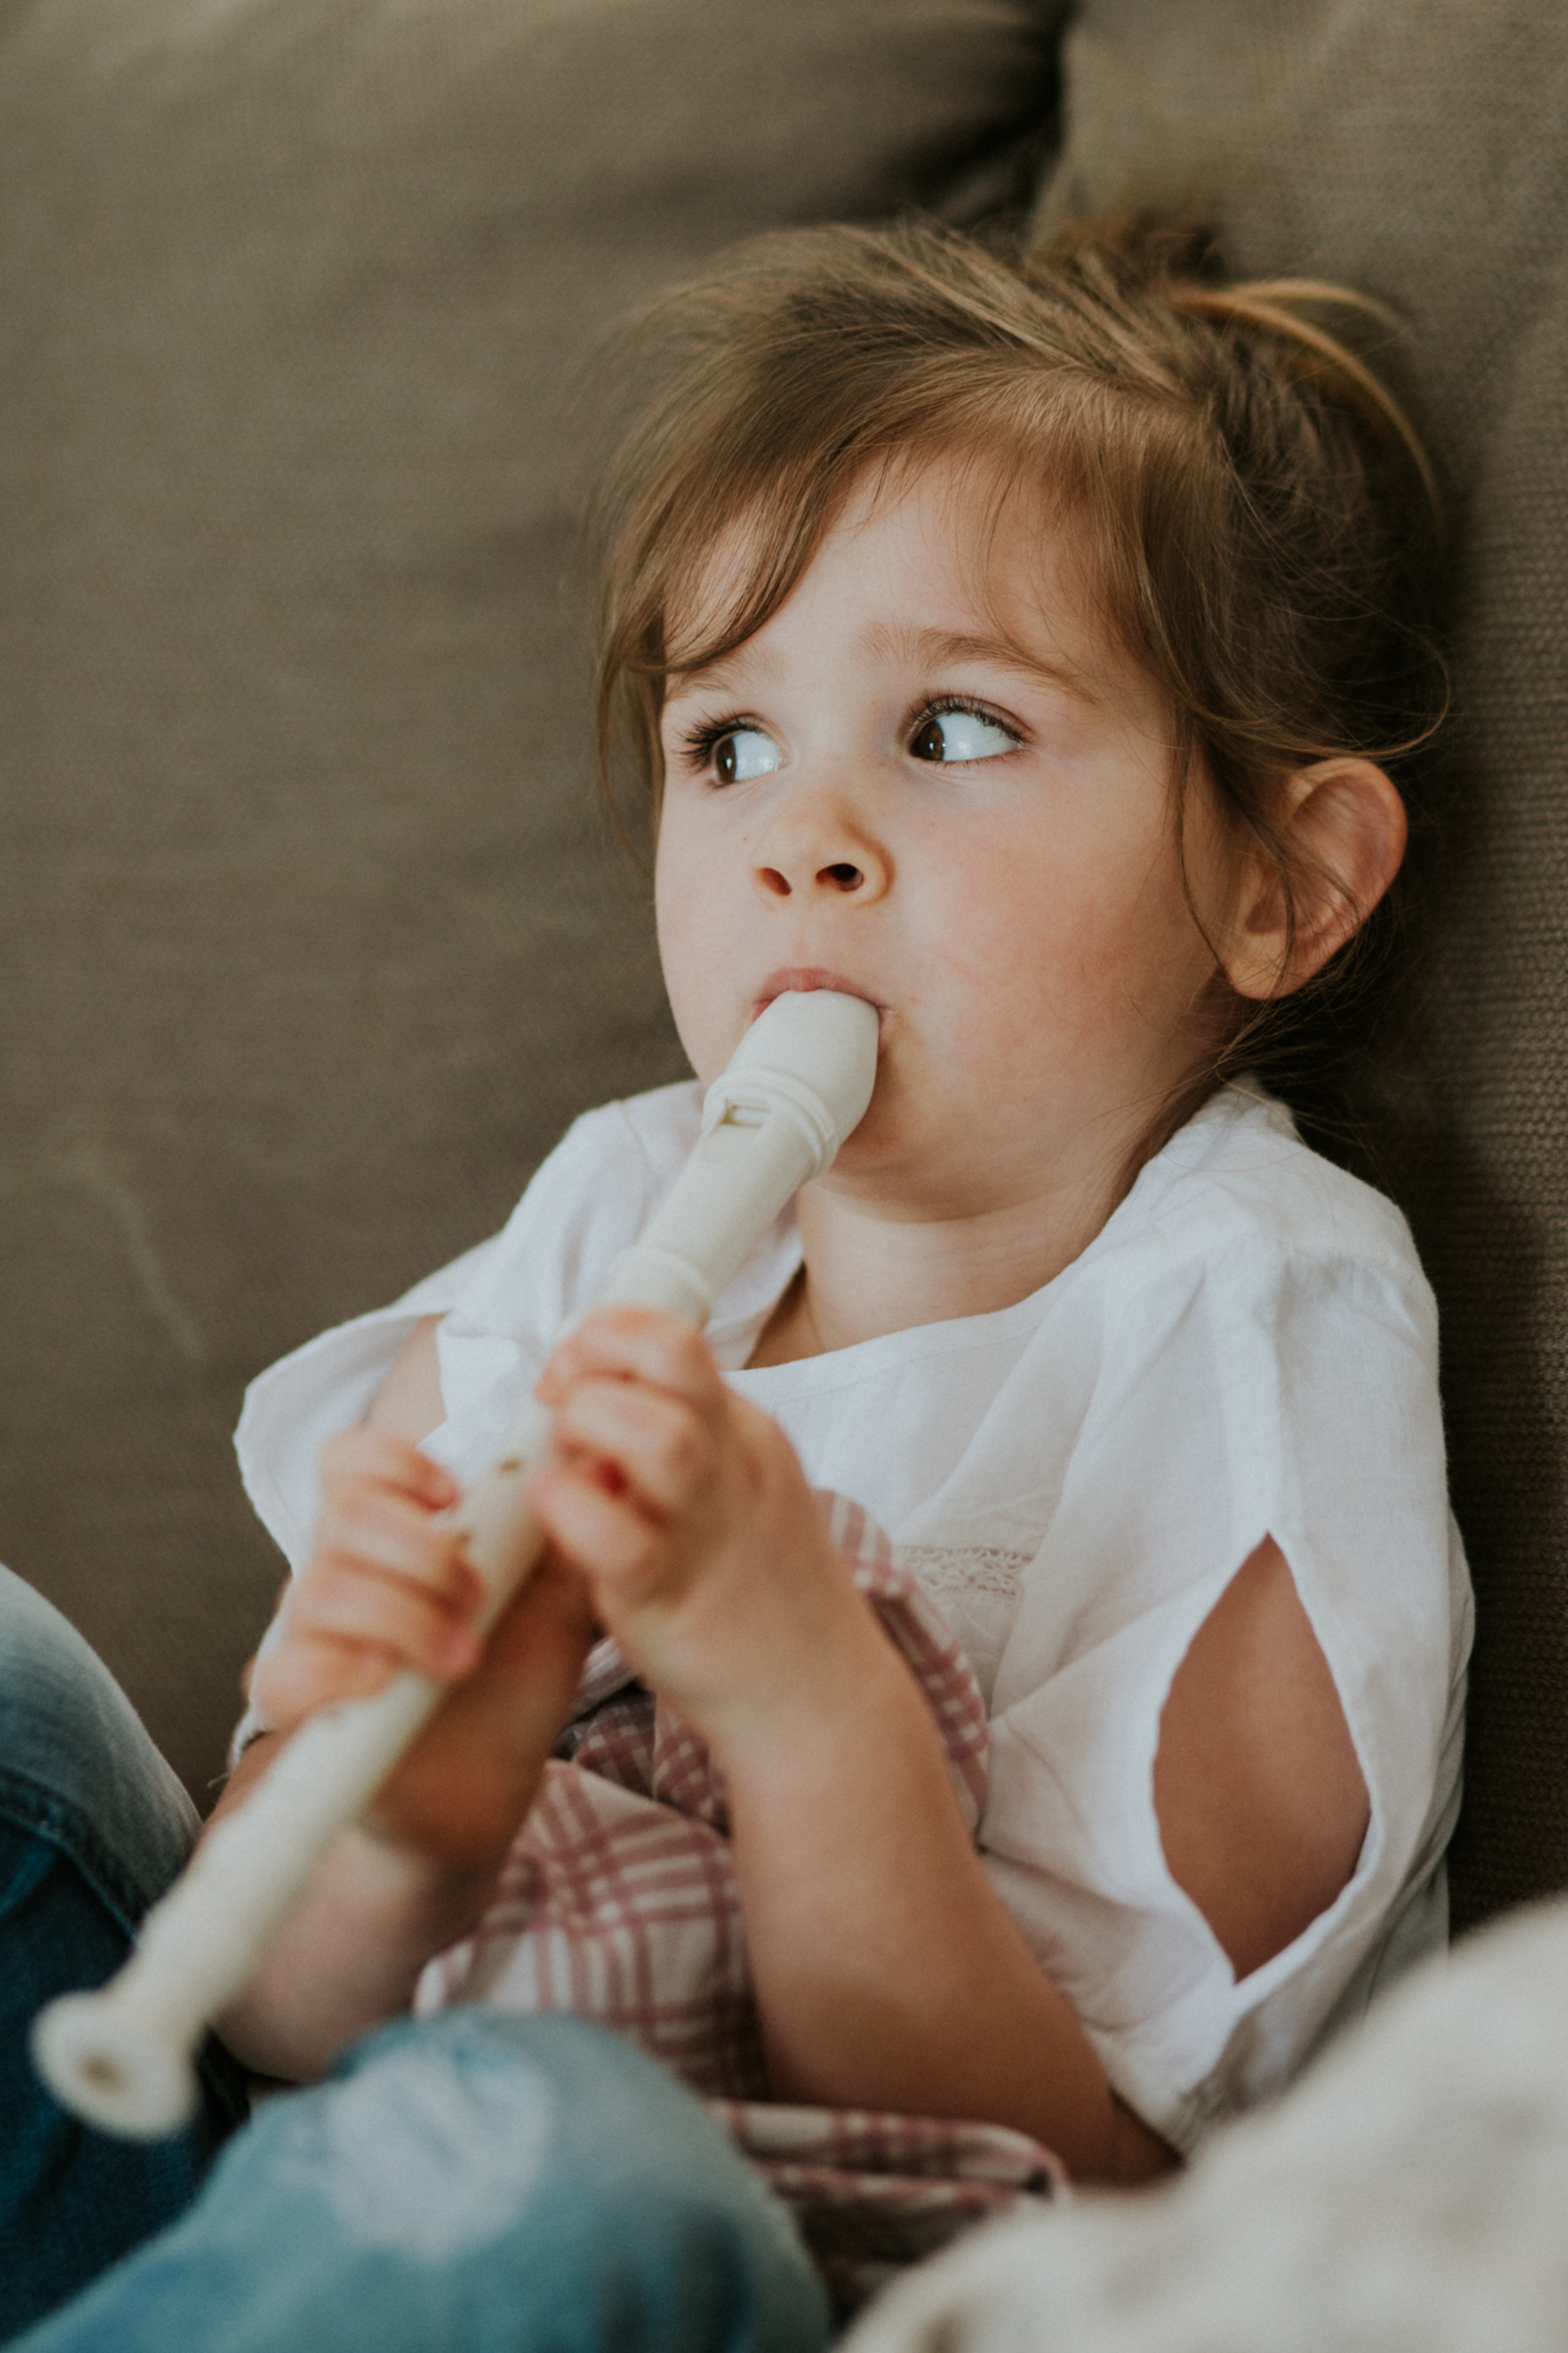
[(310, 942), (1415, 149)]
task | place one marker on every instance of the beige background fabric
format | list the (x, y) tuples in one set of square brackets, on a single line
[(310, 946), (310, 943), (1415, 149)]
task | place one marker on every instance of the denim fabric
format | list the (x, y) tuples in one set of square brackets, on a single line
[(93, 1825), (462, 2186), (468, 2184)]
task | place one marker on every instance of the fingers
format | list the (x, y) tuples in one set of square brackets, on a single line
[(614, 1541), (381, 1498), (370, 1528), (635, 1344), (647, 1445), (379, 1458), (408, 1623), (301, 1676), (347, 1633), (640, 1408), (657, 1446), (384, 1586)]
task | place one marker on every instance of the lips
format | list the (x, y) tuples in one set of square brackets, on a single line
[(808, 977)]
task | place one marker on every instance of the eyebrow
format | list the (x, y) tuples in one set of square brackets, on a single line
[(932, 648), (939, 645), (714, 672)]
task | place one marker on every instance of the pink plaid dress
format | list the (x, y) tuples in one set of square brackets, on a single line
[(618, 1903)]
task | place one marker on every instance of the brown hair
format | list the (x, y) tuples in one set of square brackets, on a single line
[(1241, 478)]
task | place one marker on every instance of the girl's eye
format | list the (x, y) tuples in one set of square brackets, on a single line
[(743, 753), (958, 734)]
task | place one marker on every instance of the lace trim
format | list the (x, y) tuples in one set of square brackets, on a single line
[(949, 1569)]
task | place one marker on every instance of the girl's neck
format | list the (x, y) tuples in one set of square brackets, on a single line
[(868, 1271)]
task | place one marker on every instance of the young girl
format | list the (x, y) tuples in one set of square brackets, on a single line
[(1016, 646)]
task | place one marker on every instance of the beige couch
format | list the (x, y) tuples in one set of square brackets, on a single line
[(311, 939)]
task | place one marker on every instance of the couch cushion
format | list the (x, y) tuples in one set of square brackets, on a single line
[(1415, 147), (311, 942)]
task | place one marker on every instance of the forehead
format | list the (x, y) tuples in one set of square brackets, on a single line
[(930, 561)]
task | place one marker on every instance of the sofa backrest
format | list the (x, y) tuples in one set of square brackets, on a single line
[(311, 942)]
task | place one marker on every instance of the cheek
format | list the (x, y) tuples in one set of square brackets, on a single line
[(693, 919), (1082, 937), (683, 871), (669, 890)]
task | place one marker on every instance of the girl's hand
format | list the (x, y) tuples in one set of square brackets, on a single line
[(685, 1508), (386, 1588)]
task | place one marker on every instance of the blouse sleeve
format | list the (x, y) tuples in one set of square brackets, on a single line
[(501, 1305), (1250, 1394), (308, 1396)]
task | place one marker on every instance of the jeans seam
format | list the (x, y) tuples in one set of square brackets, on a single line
[(32, 1806)]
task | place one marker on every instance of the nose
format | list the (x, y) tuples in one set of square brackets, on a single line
[(815, 843)]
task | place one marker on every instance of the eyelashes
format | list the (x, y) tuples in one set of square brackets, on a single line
[(697, 743), (944, 706)]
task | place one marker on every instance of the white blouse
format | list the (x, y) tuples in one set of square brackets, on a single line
[(1248, 1348)]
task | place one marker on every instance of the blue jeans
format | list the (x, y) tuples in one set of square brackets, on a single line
[(93, 1825), (472, 2184)]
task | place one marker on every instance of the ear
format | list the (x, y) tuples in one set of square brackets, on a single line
[(1344, 830)]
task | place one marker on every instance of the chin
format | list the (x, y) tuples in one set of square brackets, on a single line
[(889, 1150)]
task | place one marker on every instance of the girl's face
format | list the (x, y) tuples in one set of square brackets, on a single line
[(932, 781)]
